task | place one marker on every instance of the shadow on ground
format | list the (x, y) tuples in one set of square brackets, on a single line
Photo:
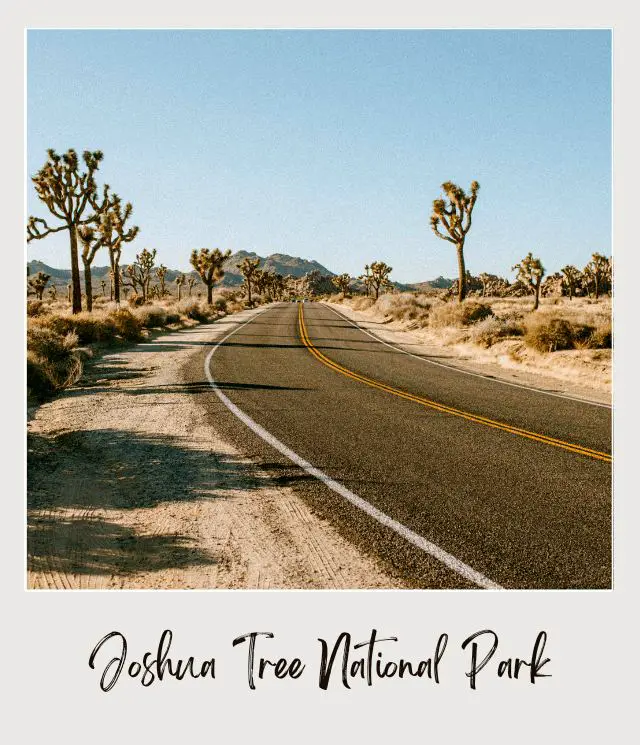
[(76, 478)]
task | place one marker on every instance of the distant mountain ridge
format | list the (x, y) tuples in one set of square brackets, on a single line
[(280, 263)]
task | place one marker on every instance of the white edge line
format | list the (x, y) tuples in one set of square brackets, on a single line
[(423, 358), (450, 561)]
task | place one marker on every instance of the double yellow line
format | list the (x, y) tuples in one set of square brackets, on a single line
[(571, 447)]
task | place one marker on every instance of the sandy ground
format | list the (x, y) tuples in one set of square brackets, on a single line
[(129, 486), (584, 375)]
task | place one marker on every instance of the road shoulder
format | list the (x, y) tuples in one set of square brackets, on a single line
[(131, 486), (396, 334)]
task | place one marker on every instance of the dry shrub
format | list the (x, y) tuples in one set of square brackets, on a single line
[(53, 361), (405, 306), (197, 311), (89, 327), (491, 330), (602, 337), (126, 325), (151, 316), (555, 334), (362, 303), (549, 334), (459, 314), (35, 308)]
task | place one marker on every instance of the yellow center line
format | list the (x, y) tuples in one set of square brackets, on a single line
[(571, 447)]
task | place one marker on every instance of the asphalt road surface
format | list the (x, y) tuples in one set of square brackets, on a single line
[(451, 480)]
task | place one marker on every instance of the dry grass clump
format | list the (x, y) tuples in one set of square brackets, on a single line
[(151, 316), (405, 306), (93, 327), (552, 334), (35, 308), (53, 361), (362, 303), (458, 315), (493, 329)]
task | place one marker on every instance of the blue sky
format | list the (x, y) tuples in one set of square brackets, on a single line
[(332, 145)]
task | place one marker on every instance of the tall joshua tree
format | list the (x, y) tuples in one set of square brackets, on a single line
[(379, 273), (114, 233), (570, 279), (161, 274), (248, 268), (191, 281), (70, 195), (342, 282), (38, 283), (138, 274), (531, 272), (208, 264), (180, 280), (455, 217), (91, 242), (484, 278), (596, 270)]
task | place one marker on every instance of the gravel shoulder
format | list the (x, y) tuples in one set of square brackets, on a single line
[(131, 486)]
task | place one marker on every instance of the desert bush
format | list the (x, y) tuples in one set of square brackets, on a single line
[(549, 334), (126, 325), (89, 327), (492, 329), (53, 361), (362, 303), (151, 316), (35, 308), (601, 337), (459, 314), (220, 304), (197, 310)]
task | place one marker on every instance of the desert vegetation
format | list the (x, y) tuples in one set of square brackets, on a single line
[(454, 215)]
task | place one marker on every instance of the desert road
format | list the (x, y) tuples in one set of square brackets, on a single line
[(453, 480)]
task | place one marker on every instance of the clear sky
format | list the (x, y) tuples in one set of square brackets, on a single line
[(332, 145)]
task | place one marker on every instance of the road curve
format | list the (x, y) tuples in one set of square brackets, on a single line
[(510, 483)]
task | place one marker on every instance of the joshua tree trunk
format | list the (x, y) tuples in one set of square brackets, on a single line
[(536, 302), (76, 292), (88, 289), (249, 292), (210, 294), (462, 274)]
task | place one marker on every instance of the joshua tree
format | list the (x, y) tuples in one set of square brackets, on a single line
[(191, 281), (571, 278), (180, 280), (596, 270), (53, 292), (248, 269), (531, 272), (379, 273), (70, 195), (91, 242), (103, 285), (161, 273), (113, 233), (484, 278), (456, 219), (38, 283), (208, 264), (138, 274), (342, 282)]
